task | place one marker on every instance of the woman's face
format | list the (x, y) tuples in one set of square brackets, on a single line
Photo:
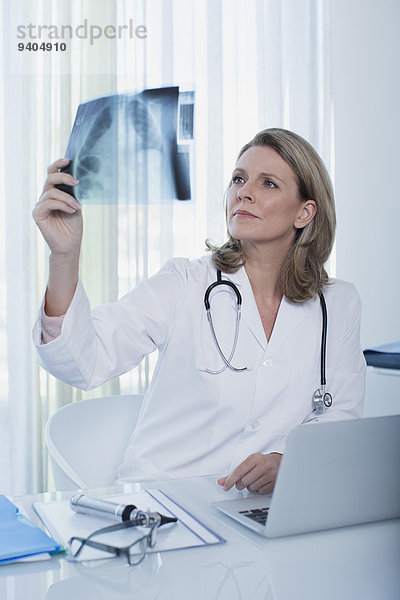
[(263, 201)]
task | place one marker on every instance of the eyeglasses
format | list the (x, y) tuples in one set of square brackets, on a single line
[(134, 552)]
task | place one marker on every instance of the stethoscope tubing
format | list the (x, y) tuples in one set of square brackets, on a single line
[(323, 338), (226, 361), (220, 281), (325, 397)]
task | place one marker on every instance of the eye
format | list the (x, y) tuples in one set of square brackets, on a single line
[(237, 179), (270, 184)]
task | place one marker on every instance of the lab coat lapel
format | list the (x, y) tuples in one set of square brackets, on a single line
[(288, 317), (250, 315)]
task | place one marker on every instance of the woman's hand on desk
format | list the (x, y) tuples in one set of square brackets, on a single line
[(257, 473)]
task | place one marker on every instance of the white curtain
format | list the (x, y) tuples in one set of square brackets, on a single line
[(253, 64)]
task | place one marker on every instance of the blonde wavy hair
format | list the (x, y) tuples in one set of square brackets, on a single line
[(302, 273)]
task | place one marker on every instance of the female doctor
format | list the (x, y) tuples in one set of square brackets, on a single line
[(226, 390)]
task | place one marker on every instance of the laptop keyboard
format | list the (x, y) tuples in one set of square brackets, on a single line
[(257, 514)]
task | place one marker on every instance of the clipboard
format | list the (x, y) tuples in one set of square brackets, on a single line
[(189, 532)]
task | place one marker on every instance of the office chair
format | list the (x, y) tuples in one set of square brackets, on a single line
[(86, 440)]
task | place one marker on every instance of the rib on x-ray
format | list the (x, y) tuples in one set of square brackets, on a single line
[(132, 148)]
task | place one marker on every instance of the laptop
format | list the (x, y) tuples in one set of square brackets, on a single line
[(331, 475)]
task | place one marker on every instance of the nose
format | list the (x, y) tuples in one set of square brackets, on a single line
[(246, 192)]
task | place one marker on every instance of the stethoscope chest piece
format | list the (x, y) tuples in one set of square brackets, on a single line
[(321, 400)]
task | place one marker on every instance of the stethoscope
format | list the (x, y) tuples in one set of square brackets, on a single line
[(321, 398)]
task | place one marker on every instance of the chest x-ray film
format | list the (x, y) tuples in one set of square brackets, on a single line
[(133, 148)]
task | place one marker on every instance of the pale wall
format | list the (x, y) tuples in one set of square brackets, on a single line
[(366, 95)]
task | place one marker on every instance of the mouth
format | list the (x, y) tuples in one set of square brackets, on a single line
[(244, 214)]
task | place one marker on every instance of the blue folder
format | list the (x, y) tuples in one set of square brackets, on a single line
[(19, 537), (386, 356)]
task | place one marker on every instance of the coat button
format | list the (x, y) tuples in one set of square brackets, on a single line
[(252, 427), (267, 363)]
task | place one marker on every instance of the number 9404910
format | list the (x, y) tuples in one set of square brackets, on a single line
[(44, 46)]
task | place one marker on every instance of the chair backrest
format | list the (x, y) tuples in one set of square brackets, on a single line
[(86, 440)]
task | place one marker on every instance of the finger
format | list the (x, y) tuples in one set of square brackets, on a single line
[(61, 177), (221, 480), (57, 178), (250, 478), (264, 471), (58, 164), (267, 471), (237, 474), (60, 196), (44, 208), (266, 489), (234, 479), (259, 483)]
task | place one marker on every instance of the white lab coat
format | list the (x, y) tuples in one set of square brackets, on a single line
[(194, 423)]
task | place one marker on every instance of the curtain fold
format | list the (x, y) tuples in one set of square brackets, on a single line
[(253, 64)]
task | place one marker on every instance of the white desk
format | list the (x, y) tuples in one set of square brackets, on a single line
[(361, 562)]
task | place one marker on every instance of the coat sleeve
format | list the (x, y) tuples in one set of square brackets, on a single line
[(95, 346), (346, 380)]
